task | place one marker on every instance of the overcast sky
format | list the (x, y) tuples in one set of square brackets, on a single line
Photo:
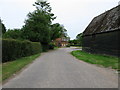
[(75, 15)]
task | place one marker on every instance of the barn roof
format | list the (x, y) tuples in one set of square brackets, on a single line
[(108, 21)]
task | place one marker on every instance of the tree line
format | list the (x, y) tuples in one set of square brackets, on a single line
[(77, 41), (38, 26)]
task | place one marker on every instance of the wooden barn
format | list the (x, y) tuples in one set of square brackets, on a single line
[(103, 33)]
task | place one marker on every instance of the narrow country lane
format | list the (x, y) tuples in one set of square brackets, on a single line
[(59, 69)]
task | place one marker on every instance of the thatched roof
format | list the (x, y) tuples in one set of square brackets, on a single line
[(108, 21)]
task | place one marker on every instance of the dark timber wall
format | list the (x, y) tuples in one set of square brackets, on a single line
[(103, 43), (103, 33)]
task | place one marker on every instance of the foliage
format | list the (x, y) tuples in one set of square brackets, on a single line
[(68, 45), (51, 46), (13, 34), (37, 26), (3, 28), (45, 47), (79, 38), (73, 42), (57, 31), (106, 61), (13, 49), (9, 68), (77, 41)]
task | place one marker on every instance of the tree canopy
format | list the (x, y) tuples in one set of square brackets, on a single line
[(3, 28), (37, 26), (77, 41), (57, 31), (13, 33)]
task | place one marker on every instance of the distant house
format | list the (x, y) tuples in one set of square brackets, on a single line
[(61, 42), (101, 35)]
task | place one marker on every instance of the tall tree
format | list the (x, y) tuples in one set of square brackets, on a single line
[(2, 27), (37, 26)]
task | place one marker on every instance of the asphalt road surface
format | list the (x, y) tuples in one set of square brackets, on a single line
[(59, 69)]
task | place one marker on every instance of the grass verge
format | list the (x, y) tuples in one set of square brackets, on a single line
[(9, 68), (106, 61), (56, 48)]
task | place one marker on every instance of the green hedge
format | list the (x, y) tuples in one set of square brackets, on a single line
[(13, 49), (45, 47)]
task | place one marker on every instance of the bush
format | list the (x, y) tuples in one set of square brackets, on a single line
[(68, 45), (13, 49), (51, 46), (45, 47)]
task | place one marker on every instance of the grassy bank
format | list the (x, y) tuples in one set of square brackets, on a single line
[(106, 61), (9, 68)]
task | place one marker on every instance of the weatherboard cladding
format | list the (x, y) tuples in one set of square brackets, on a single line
[(105, 43), (103, 33)]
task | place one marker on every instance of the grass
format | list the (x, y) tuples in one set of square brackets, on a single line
[(106, 61), (10, 68), (56, 48)]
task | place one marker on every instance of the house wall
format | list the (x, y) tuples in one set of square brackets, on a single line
[(61, 42), (103, 43), (64, 43)]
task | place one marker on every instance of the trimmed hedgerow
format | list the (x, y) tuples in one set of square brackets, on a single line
[(13, 49), (45, 47)]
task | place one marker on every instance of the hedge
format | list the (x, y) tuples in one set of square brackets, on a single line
[(13, 49), (45, 47)]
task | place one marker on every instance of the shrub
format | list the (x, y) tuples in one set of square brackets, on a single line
[(51, 46), (45, 47), (13, 49), (68, 45)]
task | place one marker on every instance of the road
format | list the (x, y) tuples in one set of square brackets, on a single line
[(59, 69)]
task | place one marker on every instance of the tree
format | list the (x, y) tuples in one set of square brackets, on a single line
[(77, 41), (73, 42), (58, 31), (37, 26), (14, 34), (79, 38), (2, 27)]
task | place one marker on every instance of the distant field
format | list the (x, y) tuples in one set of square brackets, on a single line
[(106, 61)]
